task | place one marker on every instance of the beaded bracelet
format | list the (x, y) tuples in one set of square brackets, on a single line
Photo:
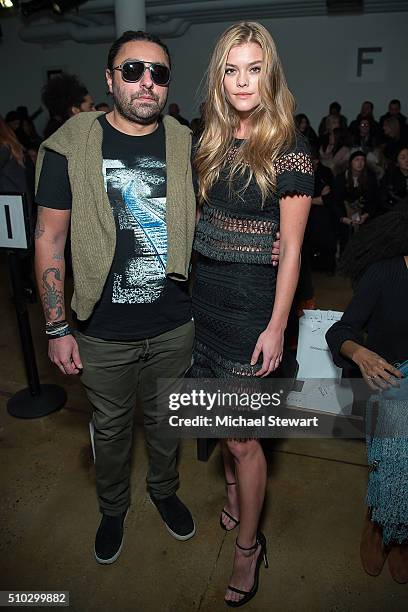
[(57, 329), (65, 331), (55, 324), (56, 332)]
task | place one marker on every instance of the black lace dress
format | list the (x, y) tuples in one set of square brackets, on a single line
[(234, 288)]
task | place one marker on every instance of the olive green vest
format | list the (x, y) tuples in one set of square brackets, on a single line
[(93, 230)]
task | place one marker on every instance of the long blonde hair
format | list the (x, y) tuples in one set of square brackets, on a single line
[(9, 139), (272, 122)]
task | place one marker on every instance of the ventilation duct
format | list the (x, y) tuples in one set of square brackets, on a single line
[(93, 33), (344, 7), (171, 18)]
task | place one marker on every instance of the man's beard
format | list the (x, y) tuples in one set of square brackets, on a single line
[(143, 113)]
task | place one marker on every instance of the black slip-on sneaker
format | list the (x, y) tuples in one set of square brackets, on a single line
[(109, 538), (176, 516)]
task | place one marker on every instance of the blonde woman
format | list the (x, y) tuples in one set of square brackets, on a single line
[(255, 177)]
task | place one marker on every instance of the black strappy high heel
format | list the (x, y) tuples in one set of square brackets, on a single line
[(232, 518), (248, 595)]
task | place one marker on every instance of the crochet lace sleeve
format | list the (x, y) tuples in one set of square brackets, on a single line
[(294, 171)]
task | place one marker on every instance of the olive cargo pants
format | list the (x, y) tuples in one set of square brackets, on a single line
[(116, 375)]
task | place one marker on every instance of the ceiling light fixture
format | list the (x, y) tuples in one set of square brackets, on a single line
[(61, 6)]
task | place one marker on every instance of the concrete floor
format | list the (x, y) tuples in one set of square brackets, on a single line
[(49, 515)]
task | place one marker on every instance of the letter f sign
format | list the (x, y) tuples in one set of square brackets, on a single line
[(361, 59)]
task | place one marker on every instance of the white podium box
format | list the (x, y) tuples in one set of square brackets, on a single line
[(14, 224), (318, 379)]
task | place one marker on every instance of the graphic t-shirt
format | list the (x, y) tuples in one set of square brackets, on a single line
[(138, 300)]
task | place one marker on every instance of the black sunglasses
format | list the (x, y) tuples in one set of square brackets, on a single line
[(133, 70)]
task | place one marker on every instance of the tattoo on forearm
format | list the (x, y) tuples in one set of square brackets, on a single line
[(58, 256), (52, 296), (40, 227)]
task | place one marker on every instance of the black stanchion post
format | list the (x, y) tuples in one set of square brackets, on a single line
[(23, 324)]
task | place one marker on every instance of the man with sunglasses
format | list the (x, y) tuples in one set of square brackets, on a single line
[(122, 183)]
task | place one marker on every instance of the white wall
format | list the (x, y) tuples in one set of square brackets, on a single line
[(24, 67), (319, 55)]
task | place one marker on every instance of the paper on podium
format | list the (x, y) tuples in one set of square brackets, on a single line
[(316, 365), (324, 395)]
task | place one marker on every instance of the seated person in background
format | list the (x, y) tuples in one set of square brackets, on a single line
[(197, 124), (103, 106), (364, 139), (196, 127), (24, 130), (363, 136), (13, 120), (373, 334), (393, 138), (394, 187), (334, 150), (320, 230), (366, 112), (334, 111), (174, 111), (303, 125), (332, 122), (355, 197), (394, 110)]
